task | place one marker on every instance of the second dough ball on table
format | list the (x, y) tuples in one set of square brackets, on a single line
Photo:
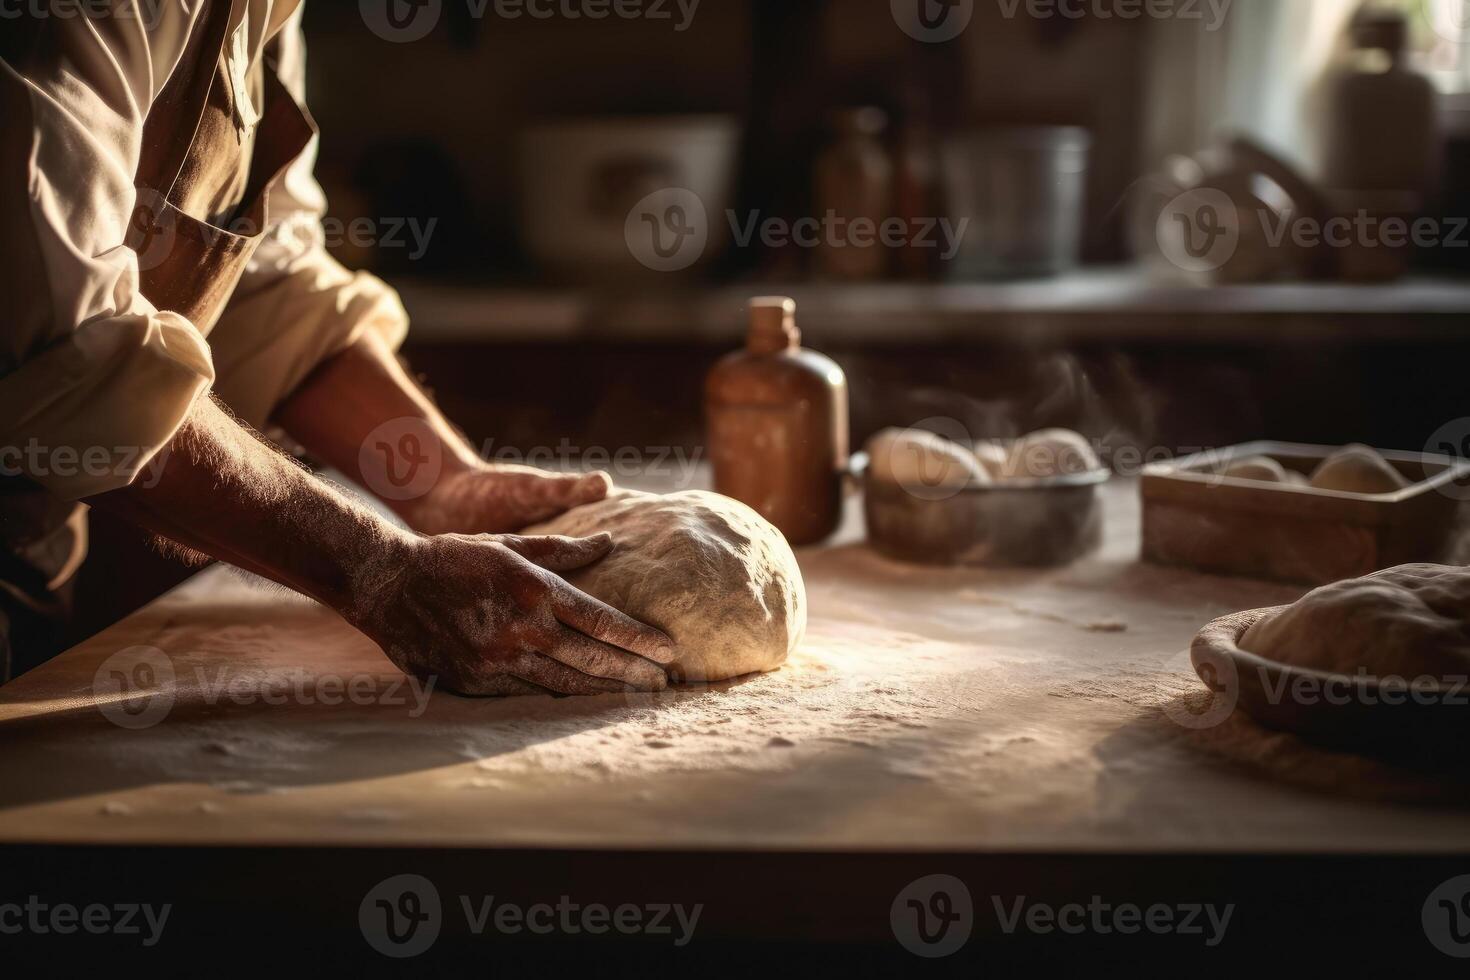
[(1407, 622), (1051, 453), (1358, 469), (919, 460), (707, 570)]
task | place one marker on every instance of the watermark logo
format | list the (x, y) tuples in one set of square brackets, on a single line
[(134, 688), (917, 465), (401, 916), (1446, 917), (1199, 231), (933, 916), (151, 229), (1453, 441), (401, 21), (932, 21), (401, 459), (1450, 19), (1211, 706), (668, 230)]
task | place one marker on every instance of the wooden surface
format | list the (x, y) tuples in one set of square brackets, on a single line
[(928, 710)]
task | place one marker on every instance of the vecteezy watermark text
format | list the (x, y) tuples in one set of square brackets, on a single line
[(147, 12), (670, 230), (37, 460), (1098, 917), (402, 916), (934, 916), (833, 231), (1211, 12), (39, 918), (405, 21), (403, 459), (1200, 230), (137, 688)]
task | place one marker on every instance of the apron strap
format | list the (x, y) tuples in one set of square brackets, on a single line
[(162, 155)]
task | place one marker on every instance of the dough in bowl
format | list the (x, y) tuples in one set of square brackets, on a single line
[(707, 570), (1051, 453), (1407, 622), (918, 460)]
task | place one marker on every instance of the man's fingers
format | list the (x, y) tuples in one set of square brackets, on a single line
[(602, 622), (559, 554), (603, 660), (547, 672), (587, 489)]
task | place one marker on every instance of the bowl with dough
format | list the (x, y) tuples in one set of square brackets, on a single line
[(1030, 502), (1307, 514), (1379, 664)]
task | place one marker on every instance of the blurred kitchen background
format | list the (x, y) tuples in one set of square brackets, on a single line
[(1138, 182)]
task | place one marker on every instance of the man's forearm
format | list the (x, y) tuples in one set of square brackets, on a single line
[(224, 492), (362, 414), (362, 396)]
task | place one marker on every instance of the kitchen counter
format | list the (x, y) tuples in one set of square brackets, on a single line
[(952, 710), (245, 758)]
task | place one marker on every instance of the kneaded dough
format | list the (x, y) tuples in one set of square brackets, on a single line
[(1262, 469), (1358, 469), (1407, 622), (917, 459), (707, 570), (1049, 453)]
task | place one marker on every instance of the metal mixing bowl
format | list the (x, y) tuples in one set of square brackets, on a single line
[(1029, 523)]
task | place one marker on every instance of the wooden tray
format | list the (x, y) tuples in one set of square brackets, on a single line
[(1423, 723), (1196, 518)]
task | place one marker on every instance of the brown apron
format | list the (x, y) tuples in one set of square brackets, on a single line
[(204, 178)]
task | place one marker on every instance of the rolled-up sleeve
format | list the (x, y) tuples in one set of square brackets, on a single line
[(94, 380), (296, 306)]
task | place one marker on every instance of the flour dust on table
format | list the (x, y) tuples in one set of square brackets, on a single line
[(707, 570)]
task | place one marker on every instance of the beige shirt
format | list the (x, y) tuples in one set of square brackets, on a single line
[(85, 360)]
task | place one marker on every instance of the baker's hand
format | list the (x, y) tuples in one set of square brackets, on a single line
[(489, 615), (494, 498)]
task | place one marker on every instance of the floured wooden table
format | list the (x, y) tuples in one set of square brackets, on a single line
[(928, 709), (929, 712)]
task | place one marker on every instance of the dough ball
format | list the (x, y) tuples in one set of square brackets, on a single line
[(1358, 469), (993, 454), (1050, 453), (1407, 622), (916, 459), (705, 569), (1262, 469)]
